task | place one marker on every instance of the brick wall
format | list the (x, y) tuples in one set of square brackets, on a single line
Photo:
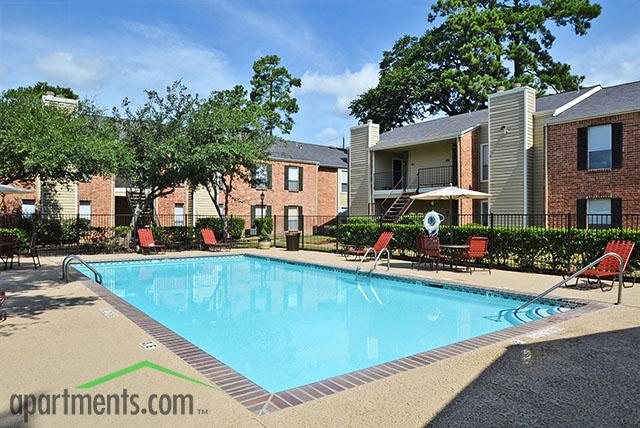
[(327, 192), (98, 190), (566, 184), (165, 206), (317, 197), (469, 162)]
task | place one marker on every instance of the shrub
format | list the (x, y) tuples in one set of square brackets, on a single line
[(265, 227), (167, 235), (121, 231), (236, 226), (20, 235), (530, 248)]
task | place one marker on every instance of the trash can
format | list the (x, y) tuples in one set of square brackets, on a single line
[(293, 241)]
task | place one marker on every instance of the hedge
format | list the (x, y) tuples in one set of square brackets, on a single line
[(20, 235), (530, 248), (236, 226)]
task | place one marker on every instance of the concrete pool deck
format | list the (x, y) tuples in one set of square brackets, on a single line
[(582, 371)]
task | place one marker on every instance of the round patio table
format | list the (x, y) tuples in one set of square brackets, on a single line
[(454, 249)]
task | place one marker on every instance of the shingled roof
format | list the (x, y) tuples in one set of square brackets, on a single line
[(608, 100), (327, 156), (452, 126)]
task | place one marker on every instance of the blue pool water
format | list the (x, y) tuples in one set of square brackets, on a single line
[(284, 325)]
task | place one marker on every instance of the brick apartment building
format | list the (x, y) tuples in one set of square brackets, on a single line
[(297, 180), (576, 152)]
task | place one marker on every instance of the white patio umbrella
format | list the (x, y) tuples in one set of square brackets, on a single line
[(450, 193), (7, 190)]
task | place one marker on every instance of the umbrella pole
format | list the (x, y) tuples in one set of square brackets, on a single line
[(451, 228)]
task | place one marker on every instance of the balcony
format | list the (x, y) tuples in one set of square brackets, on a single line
[(436, 177), (385, 181)]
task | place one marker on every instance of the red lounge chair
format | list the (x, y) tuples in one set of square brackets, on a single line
[(476, 252), (428, 248), (610, 266), (210, 241), (146, 241), (381, 244)]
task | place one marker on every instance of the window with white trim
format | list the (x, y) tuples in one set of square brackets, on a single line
[(484, 162), (178, 214), (344, 181), (293, 218), (599, 147), (28, 207), (262, 177), (84, 210), (599, 213), (293, 178)]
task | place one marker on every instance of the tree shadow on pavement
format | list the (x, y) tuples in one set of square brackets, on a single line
[(591, 380)]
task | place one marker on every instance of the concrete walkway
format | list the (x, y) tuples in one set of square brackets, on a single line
[(584, 372)]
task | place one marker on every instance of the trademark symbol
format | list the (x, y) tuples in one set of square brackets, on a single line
[(203, 411)]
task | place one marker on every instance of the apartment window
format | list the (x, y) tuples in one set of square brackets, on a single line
[(600, 147), (292, 217), (85, 210), (293, 178), (259, 211), (344, 181), (28, 207), (484, 213), (484, 162), (178, 214), (262, 177)]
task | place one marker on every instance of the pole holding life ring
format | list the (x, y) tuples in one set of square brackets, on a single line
[(432, 222)]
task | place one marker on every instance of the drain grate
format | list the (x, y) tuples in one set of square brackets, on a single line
[(108, 313), (149, 345)]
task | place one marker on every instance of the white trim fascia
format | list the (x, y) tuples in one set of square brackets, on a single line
[(525, 202), (593, 116), (576, 100), (489, 143), (546, 169), (464, 131), (291, 160)]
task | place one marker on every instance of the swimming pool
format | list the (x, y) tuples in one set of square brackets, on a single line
[(283, 324)]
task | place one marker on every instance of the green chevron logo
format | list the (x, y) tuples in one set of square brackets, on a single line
[(141, 365)]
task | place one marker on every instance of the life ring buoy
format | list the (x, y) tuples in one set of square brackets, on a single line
[(432, 222)]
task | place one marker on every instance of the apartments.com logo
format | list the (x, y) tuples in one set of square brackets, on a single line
[(123, 403)]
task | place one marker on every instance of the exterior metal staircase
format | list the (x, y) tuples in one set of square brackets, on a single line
[(134, 196), (398, 207)]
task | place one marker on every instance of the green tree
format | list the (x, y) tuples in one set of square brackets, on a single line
[(477, 46), (226, 142), (271, 87), (155, 140), (41, 88), (54, 143)]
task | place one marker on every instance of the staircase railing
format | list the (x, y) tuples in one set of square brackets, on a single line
[(577, 274)]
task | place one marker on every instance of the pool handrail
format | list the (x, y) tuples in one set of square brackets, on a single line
[(577, 274), (67, 261)]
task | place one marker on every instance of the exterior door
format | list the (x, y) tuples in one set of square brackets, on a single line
[(397, 173)]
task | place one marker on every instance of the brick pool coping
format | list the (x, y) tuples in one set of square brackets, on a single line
[(260, 401)]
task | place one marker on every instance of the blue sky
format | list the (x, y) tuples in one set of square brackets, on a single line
[(107, 50)]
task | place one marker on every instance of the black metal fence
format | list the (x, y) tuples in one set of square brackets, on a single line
[(112, 233)]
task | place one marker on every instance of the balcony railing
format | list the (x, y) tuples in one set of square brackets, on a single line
[(385, 181), (435, 177)]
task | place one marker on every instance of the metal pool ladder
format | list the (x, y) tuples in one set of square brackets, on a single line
[(67, 261), (575, 275), (375, 262)]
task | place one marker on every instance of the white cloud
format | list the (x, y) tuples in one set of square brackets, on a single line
[(610, 63), (327, 134), (118, 61), (344, 86), (83, 71)]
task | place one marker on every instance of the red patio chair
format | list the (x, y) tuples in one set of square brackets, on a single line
[(610, 266), (210, 241), (428, 248), (477, 251), (381, 244), (146, 241)]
